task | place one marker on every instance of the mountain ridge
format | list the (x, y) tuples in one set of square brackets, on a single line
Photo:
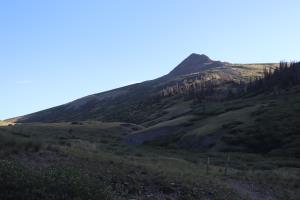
[(137, 102)]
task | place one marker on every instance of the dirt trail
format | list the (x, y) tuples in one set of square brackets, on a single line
[(250, 190)]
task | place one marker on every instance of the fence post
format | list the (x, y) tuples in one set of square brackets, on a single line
[(227, 164), (207, 165)]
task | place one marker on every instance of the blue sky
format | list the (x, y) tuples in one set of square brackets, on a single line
[(54, 51)]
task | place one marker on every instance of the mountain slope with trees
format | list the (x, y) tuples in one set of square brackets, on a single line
[(224, 132), (141, 103)]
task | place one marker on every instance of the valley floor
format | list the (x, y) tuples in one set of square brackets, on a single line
[(89, 160)]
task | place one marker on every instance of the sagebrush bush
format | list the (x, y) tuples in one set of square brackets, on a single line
[(16, 182), (15, 144)]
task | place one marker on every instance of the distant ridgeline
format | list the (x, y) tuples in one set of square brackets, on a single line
[(222, 86)]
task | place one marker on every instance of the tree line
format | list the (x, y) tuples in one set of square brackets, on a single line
[(282, 77), (203, 87), (199, 87)]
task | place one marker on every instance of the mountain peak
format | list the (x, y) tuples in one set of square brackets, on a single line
[(194, 63), (198, 57)]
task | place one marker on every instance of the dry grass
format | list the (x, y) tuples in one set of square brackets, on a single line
[(4, 123)]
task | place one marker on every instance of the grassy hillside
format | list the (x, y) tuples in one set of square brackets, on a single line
[(88, 160), (160, 139), (265, 123), (140, 103), (92, 159)]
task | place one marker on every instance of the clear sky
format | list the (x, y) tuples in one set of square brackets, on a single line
[(54, 51)]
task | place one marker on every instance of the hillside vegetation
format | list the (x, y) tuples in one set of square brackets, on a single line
[(92, 159), (207, 130), (141, 103), (265, 123), (88, 160)]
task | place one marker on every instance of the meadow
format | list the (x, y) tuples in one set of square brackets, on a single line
[(89, 160)]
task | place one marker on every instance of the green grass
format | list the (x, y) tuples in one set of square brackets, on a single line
[(17, 182), (261, 124), (215, 123), (89, 159), (91, 162)]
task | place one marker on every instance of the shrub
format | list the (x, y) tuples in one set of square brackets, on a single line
[(53, 183)]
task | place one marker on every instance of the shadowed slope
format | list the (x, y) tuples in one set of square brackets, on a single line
[(138, 103), (194, 63)]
